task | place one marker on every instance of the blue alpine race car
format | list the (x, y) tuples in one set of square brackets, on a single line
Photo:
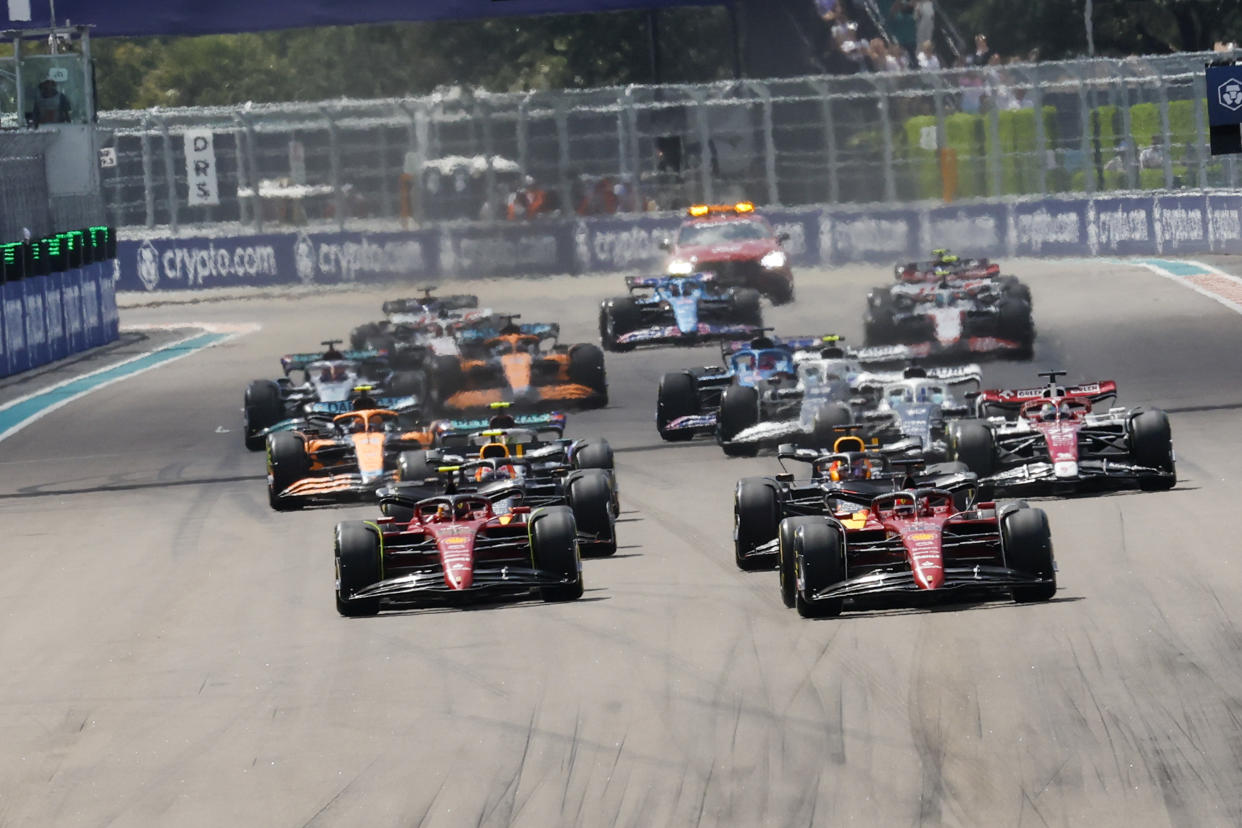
[(678, 310)]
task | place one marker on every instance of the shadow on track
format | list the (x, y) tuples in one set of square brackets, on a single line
[(41, 491)]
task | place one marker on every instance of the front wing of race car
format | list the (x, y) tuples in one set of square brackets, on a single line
[(337, 488), (960, 579), (489, 578), (963, 347), (1085, 474), (563, 395)]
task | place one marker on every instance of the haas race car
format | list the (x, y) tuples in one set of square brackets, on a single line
[(677, 310), (735, 244), (405, 317), (455, 546), (1052, 440)]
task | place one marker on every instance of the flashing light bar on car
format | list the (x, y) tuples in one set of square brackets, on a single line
[(700, 210)]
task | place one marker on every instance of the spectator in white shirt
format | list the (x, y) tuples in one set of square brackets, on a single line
[(928, 61)]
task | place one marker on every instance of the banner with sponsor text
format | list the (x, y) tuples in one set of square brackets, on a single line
[(46, 318)]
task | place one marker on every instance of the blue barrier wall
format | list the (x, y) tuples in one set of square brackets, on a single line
[(1173, 223), (45, 318)]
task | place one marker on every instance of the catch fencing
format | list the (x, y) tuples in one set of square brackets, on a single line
[(1043, 129)]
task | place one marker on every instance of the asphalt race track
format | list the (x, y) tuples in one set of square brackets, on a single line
[(170, 653)]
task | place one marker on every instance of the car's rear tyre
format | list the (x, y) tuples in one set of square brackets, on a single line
[(262, 408), (359, 564), (781, 291), (1015, 289), (739, 410), (1015, 322), (287, 463), (412, 467), (590, 498), (1027, 544), (595, 453), (616, 317), (756, 514), (828, 420), (383, 343), (1151, 444), (677, 396), (819, 558), (974, 445), (408, 384), (554, 548), (746, 308), (586, 367), (358, 336), (447, 377)]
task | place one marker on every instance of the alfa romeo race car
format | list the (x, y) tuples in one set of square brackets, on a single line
[(917, 542), (339, 457), (522, 365), (735, 244), (677, 310), (849, 468), (1050, 439), (455, 546), (330, 376), (405, 317), (948, 318)]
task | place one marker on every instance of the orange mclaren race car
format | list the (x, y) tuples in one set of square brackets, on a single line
[(522, 365), (325, 458)]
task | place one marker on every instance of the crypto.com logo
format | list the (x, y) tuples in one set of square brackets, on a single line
[(1230, 94)]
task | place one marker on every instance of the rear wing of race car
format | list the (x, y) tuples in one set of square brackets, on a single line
[(544, 330), (402, 405), (455, 301), (553, 422), (948, 374), (296, 362), (1013, 399), (649, 282)]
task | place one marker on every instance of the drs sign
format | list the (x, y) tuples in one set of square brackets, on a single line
[(200, 168)]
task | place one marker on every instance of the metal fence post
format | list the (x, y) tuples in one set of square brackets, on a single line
[(1041, 135), (706, 185), (635, 160), (769, 141), (1166, 129), (334, 167), (148, 187), (251, 165), (995, 176), (523, 137), (562, 154), (830, 139), (170, 175), (1084, 138), (386, 206), (483, 111), (1201, 140), (886, 128), (1119, 92)]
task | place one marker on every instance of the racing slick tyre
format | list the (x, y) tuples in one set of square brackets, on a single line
[(590, 498), (412, 467), (408, 384), (358, 336), (262, 409), (446, 377), (746, 308), (586, 367), (972, 444), (1027, 544), (287, 463), (594, 454), (1012, 287), (616, 317), (756, 515), (819, 559), (359, 564), (554, 549), (1151, 444), (781, 291), (739, 410), (829, 418), (1014, 321), (678, 396), (785, 558)]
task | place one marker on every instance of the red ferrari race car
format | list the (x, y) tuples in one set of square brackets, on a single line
[(915, 543), (455, 546), (1051, 440), (734, 243)]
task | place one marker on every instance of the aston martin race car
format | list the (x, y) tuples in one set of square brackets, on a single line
[(1051, 439), (735, 244), (949, 318), (326, 457), (522, 365), (455, 546), (917, 543), (328, 376), (850, 469), (677, 310), (408, 317)]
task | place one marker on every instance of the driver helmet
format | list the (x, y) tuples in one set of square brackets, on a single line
[(768, 362), (858, 468), (1048, 412), (462, 509), (925, 507), (904, 508), (442, 512)]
